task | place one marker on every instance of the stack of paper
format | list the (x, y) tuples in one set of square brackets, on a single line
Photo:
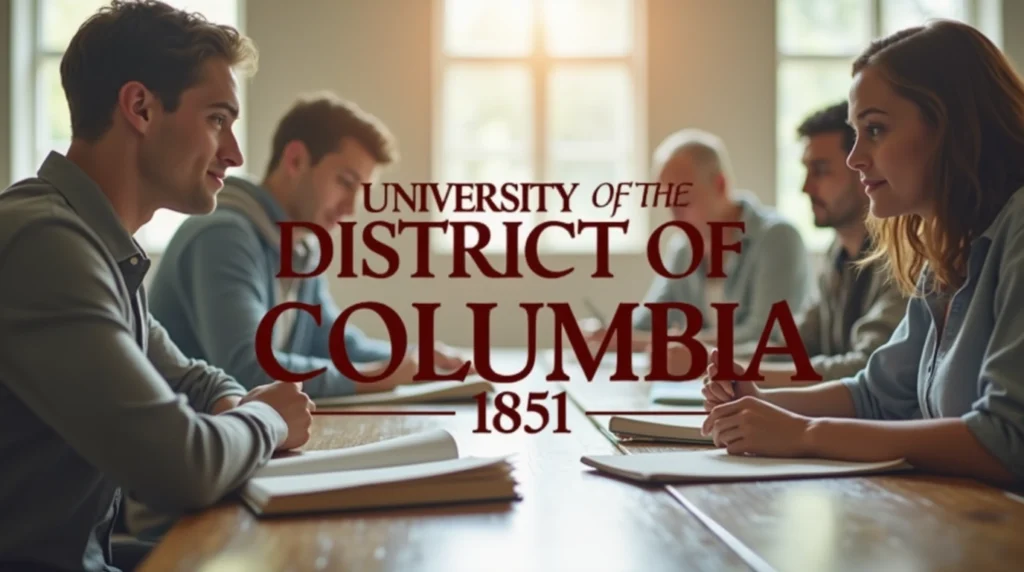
[(681, 428), (420, 469)]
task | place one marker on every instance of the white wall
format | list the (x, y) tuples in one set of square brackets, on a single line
[(705, 71), (711, 65)]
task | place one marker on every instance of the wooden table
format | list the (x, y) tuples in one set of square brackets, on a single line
[(885, 522), (570, 518)]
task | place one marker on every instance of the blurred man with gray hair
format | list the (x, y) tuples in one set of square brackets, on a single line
[(771, 266)]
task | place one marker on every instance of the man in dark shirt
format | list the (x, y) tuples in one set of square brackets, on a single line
[(94, 396)]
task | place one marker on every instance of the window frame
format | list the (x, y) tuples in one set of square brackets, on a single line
[(539, 65), (26, 105)]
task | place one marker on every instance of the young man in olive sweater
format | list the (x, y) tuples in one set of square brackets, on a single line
[(94, 396)]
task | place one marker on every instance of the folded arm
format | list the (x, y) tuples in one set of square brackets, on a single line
[(102, 394)]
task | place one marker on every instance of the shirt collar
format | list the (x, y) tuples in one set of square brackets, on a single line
[(979, 247), (840, 257), (93, 207), (274, 210), (261, 207)]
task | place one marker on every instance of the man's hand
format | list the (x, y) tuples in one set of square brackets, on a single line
[(679, 358), (594, 332), (294, 406), (447, 359), (402, 375)]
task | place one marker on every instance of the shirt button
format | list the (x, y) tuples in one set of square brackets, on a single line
[(134, 260)]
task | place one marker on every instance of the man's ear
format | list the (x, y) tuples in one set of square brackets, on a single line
[(137, 105), (718, 179), (295, 158)]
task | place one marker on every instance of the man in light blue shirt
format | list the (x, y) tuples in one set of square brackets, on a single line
[(217, 280), (772, 265)]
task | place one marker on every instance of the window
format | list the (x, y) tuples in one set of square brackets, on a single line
[(41, 119), (542, 90), (817, 43)]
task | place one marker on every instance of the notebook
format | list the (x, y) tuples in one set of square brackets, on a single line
[(717, 465), (677, 392), (419, 469), (426, 392), (682, 428)]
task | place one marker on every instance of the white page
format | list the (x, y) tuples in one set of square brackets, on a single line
[(415, 393), (718, 465), (267, 487), (433, 445)]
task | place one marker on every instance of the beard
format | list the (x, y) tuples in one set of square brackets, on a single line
[(844, 212)]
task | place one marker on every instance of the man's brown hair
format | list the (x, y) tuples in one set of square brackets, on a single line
[(321, 120), (146, 41)]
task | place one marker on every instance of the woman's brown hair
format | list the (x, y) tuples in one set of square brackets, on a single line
[(973, 99)]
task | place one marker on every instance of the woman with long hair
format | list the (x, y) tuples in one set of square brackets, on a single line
[(939, 117)]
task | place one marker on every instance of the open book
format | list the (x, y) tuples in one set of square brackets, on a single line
[(418, 469), (683, 429), (710, 465), (426, 392)]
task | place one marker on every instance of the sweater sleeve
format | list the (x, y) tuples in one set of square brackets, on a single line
[(665, 289), (360, 347), (224, 274), (782, 275), (105, 397)]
